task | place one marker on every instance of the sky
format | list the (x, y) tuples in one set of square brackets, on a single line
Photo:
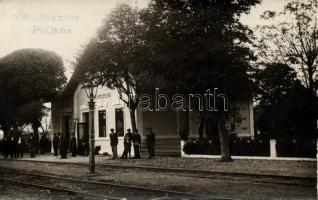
[(65, 26)]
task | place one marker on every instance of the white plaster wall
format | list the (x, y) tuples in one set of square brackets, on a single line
[(106, 99)]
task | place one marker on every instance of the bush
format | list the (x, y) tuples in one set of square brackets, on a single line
[(296, 148), (238, 147)]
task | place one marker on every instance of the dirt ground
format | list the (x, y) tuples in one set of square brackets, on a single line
[(273, 167), (236, 189)]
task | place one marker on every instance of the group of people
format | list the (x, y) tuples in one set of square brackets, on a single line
[(15, 145), (60, 145), (132, 139)]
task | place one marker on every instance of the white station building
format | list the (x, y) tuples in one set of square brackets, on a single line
[(70, 117)]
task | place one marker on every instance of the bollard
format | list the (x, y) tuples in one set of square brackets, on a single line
[(182, 142), (273, 153)]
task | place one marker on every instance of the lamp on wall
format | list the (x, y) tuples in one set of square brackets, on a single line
[(91, 92)]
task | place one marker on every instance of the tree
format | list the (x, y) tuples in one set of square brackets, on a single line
[(197, 45), (291, 37), (28, 75), (287, 108), (296, 114), (117, 57), (273, 82)]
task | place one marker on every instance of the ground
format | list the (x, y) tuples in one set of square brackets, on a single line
[(222, 187), (272, 167), (14, 192)]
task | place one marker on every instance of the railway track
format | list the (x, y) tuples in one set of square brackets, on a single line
[(224, 176), (66, 191), (93, 189)]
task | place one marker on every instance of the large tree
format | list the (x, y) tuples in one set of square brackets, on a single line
[(28, 75), (291, 37), (116, 58), (200, 45)]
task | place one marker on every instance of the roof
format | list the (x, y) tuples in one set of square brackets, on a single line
[(70, 87)]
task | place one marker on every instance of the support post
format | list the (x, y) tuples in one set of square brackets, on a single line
[(91, 105)]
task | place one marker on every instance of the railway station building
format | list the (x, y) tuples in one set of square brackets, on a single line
[(70, 116)]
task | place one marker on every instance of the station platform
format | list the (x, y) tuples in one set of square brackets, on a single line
[(261, 167)]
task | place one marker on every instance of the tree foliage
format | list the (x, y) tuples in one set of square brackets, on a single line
[(200, 44), (291, 37), (116, 58), (293, 115), (28, 75), (274, 81)]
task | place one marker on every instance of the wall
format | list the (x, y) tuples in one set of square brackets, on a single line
[(108, 100)]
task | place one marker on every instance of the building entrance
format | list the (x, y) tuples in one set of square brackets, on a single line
[(83, 135)]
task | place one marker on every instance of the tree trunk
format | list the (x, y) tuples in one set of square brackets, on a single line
[(224, 142), (133, 119)]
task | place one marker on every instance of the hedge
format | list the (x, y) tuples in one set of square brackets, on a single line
[(258, 147), (238, 147)]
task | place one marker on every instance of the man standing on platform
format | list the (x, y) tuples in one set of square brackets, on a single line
[(63, 146), (127, 144), (5, 146), (20, 146), (13, 145), (151, 142), (73, 147), (33, 144), (113, 142), (136, 139), (55, 142)]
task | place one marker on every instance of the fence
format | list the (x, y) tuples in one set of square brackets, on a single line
[(254, 148)]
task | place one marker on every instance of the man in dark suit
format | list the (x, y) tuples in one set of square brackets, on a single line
[(151, 142), (73, 147), (55, 142), (136, 139), (63, 146), (13, 145), (5, 146), (20, 146), (127, 144), (113, 142), (33, 144)]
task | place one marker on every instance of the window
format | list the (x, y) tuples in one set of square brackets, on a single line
[(102, 123), (119, 115)]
